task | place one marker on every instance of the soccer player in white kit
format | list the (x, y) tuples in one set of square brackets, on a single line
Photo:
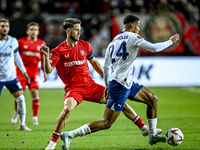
[(119, 60), (8, 56)]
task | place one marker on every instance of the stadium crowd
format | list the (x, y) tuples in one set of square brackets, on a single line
[(95, 16)]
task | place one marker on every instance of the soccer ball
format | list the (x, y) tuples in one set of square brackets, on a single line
[(174, 136)]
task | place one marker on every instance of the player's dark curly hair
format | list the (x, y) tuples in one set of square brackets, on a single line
[(130, 19), (70, 22)]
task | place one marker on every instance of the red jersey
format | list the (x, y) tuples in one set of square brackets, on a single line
[(30, 54), (71, 63)]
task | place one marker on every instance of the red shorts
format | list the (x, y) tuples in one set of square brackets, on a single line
[(33, 84), (91, 92)]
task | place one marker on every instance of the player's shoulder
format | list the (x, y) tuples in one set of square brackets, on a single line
[(40, 40), (82, 42), (134, 36), (12, 39), (131, 34), (59, 47), (22, 39)]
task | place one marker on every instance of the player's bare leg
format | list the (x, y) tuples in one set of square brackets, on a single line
[(35, 104), (69, 105), (106, 122), (147, 97)]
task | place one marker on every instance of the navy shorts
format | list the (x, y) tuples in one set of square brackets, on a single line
[(118, 94), (12, 86)]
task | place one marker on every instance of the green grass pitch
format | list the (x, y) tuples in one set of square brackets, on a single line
[(177, 107)]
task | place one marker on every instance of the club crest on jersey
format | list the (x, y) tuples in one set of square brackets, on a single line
[(38, 48), (82, 52), (25, 46)]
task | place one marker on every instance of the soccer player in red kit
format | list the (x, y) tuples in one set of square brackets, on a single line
[(70, 59), (29, 49)]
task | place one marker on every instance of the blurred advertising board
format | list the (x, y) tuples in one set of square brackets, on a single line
[(149, 71)]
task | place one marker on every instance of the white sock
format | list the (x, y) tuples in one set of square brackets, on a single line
[(21, 109), (83, 130), (152, 123), (35, 118), (144, 127)]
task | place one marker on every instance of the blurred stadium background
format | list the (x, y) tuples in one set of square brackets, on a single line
[(102, 20)]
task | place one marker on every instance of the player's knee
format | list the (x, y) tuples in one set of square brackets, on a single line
[(152, 100), (18, 93), (34, 93), (125, 106), (67, 111), (155, 100), (106, 124)]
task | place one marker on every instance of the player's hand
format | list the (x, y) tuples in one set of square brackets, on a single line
[(27, 77), (174, 38), (44, 49), (45, 77), (106, 96)]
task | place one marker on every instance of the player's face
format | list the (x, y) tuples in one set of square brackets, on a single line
[(137, 27), (4, 28), (75, 32), (33, 31)]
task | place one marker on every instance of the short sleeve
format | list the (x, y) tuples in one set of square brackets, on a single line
[(136, 40), (15, 43), (90, 54), (54, 56)]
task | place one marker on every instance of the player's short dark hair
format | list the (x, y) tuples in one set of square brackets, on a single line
[(70, 22), (33, 24), (130, 19), (4, 20)]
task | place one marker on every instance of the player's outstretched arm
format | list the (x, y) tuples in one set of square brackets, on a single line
[(157, 47), (45, 50)]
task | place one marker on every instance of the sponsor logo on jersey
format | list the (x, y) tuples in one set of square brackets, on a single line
[(25, 46), (66, 56), (5, 54), (74, 63), (28, 53)]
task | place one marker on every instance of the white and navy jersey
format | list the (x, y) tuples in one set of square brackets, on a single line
[(7, 68), (120, 56)]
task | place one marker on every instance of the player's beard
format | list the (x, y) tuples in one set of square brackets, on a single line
[(3, 34), (74, 38)]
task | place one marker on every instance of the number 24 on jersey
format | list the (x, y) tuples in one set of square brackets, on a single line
[(121, 52)]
